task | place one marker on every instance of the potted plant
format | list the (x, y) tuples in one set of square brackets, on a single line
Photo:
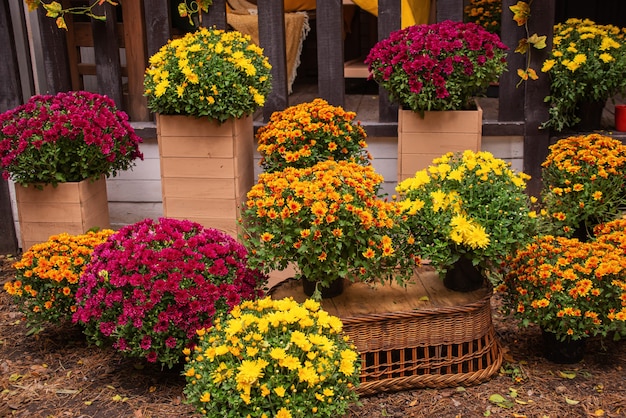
[(432, 68), (54, 145), (274, 358), (204, 88), (465, 214), (329, 222), (586, 67), (302, 135), (46, 277), (583, 180), (152, 285), (571, 289)]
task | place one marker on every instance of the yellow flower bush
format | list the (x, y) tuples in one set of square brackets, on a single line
[(571, 288), (587, 64), (209, 73), (273, 359), (327, 220), (469, 206), (583, 178), (47, 276), (307, 133)]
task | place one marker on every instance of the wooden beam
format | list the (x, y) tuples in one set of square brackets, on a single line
[(216, 17), (537, 140), (511, 96), (157, 24), (272, 40), (136, 61), (449, 10), (54, 50), (329, 24), (389, 20), (107, 53), (10, 97)]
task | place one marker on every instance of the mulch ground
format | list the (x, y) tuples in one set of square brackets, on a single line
[(57, 374)]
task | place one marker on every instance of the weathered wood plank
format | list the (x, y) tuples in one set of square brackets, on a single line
[(272, 40), (10, 96), (157, 24), (136, 61), (511, 97), (107, 53), (536, 140), (54, 50), (329, 24), (450, 10), (216, 15), (388, 21)]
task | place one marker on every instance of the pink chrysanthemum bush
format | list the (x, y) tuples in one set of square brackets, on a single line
[(439, 66), (570, 288), (153, 284), (305, 134), (47, 276), (273, 359), (68, 137)]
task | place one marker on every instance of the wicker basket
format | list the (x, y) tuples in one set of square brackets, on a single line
[(435, 339)]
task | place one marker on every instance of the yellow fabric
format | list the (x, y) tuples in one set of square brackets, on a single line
[(414, 12), (299, 5)]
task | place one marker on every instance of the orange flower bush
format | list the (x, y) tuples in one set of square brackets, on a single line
[(571, 288), (327, 220), (583, 179), (305, 134), (48, 274)]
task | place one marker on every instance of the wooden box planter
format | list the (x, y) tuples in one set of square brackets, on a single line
[(422, 140), (70, 207), (206, 169), (421, 336)]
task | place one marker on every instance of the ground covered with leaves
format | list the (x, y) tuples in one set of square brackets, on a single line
[(57, 374)]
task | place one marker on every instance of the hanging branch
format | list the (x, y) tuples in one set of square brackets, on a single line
[(56, 11), (521, 14)]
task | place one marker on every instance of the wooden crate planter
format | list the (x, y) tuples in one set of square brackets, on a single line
[(70, 207), (206, 169), (424, 336), (422, 140)]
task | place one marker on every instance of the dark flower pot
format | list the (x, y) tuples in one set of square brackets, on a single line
[(335, 288), (562, 352), (463, 276)]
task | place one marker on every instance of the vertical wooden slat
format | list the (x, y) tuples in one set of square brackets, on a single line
[(54, 50), (157, 24), (389, 20), (272, 40), (329, 24), (216, 17), (450, 10), (134, 43), (511, 97), (536, 140), (10, 96), (107, 53)]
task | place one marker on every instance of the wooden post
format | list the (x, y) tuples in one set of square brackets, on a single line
[(389, 20), (537, 140), (54, 49), (10, 97), (511, 97), (157, 20), (216, 15), (450, 10), (272, 40), (134, 43), (107, 53), (329, 23)]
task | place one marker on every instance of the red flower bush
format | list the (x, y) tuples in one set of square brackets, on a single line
[(153, 284), (72, 136), (438, 66)]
